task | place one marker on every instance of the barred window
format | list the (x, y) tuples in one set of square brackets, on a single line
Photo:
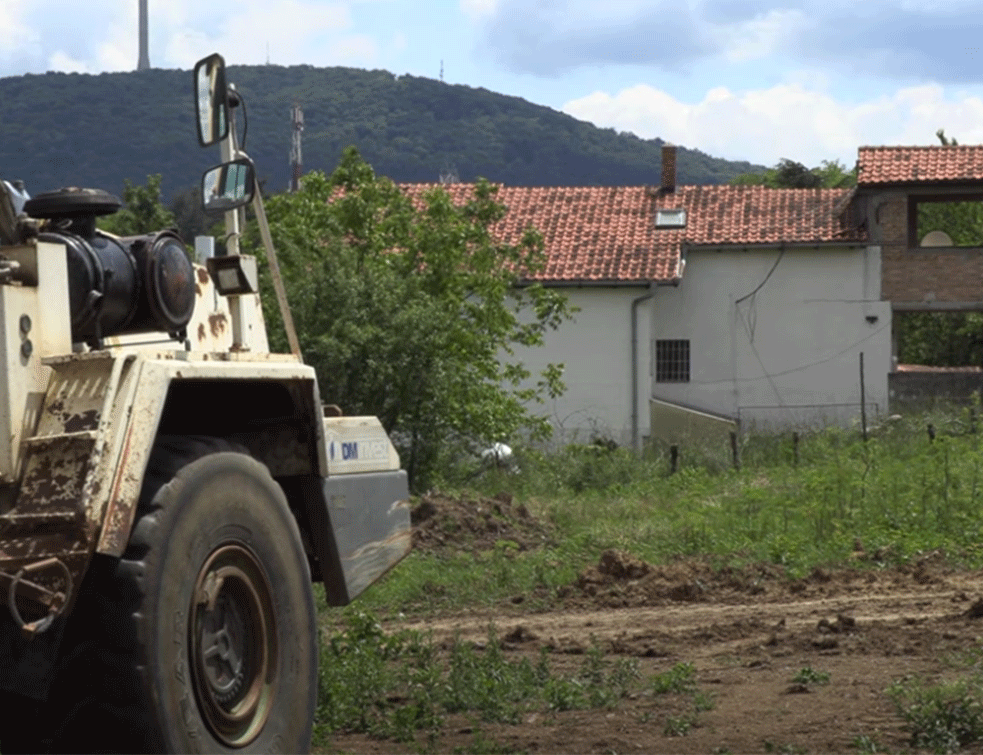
[(672, 361)]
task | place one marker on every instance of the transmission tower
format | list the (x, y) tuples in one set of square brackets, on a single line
[(296, 158), (143, 61)]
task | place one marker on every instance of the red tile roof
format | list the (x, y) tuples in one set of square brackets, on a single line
[(896, 165), (608, 234)]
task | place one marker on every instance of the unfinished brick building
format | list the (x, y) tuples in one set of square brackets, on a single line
[(920, 271), (923, 268)]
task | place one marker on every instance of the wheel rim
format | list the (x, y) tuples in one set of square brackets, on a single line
[(234, 644)]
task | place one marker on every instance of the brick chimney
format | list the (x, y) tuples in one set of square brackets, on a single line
[(668, 169)]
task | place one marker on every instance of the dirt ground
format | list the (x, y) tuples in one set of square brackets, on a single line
[(746, 631)]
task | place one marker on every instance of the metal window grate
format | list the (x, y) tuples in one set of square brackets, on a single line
[(672, 361)]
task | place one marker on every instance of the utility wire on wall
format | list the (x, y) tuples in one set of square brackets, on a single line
[(764, 370), (752, 316), (750, 322), (800, 368)]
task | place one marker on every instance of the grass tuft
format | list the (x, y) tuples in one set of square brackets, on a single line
[(809, 675)]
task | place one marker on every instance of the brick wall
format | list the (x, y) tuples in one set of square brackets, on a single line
[(954, 275)]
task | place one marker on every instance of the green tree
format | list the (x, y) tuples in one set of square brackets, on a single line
[(949, 339), (413, 312), (142, 212), (788, 174), (190, 217), (834, 175)]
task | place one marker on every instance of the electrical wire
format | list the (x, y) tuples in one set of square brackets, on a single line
[(781, 254), (764, 370), (752, 316), (800, 368)]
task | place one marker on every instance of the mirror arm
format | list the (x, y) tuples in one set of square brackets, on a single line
[(229, 152), (281, 291)]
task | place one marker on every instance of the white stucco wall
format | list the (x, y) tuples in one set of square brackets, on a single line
[(788, 355), (595, 349)]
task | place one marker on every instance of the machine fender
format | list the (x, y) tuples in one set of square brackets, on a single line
[(361, 526)]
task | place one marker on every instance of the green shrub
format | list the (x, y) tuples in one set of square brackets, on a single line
[(942, 717)]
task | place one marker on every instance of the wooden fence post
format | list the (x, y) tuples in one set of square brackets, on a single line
[(863, 399), (735, 450), (673, 459), (795, 448)]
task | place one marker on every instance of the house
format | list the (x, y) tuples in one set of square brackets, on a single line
[(706, 308), (604, 251), (923, 269), (778, 320)]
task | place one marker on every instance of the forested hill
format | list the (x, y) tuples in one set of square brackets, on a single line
[(60, 129)]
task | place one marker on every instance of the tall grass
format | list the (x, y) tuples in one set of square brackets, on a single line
[(896, 496), (899, 493)]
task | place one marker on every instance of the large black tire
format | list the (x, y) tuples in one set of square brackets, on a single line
[(207, 625), (19, 728)]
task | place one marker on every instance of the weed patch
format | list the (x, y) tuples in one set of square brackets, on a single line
[(680, 681), (402, 687), (942, 717), (810, 676)]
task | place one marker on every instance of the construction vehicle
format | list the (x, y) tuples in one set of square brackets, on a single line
[(169, 489)]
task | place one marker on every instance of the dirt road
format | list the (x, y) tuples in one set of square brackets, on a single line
[(749, 634)]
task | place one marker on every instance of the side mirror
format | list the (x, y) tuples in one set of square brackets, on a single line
[(228, 186), (211, 106)]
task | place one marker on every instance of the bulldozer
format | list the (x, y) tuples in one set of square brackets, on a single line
[(170, 491)]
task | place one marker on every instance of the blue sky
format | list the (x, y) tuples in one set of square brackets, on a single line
[(809, 80)]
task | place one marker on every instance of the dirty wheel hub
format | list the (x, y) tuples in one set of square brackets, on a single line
[(234, 644)]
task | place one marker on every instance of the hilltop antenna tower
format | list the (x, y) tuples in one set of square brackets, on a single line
[(143, 61), (448, 175), (296, 157)]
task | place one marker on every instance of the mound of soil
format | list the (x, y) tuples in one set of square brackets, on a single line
[(443, 524), (621, 580)]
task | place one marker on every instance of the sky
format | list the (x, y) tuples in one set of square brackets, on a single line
[(757, 80)]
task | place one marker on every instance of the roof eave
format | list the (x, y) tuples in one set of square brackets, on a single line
[(922, 183), (737, 246), (605, 283)]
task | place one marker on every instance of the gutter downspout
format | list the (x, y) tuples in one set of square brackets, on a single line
[(636, 303)]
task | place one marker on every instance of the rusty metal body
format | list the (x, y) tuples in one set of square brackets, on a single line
[(112, 347), (78, 425)]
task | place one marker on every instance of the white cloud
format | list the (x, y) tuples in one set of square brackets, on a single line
[(59, 61), (475, 9), (17, 39), (101, 35), (13, 29), (762, 36), (288, 32), (120, 48), (789, 120), (906, 41)]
